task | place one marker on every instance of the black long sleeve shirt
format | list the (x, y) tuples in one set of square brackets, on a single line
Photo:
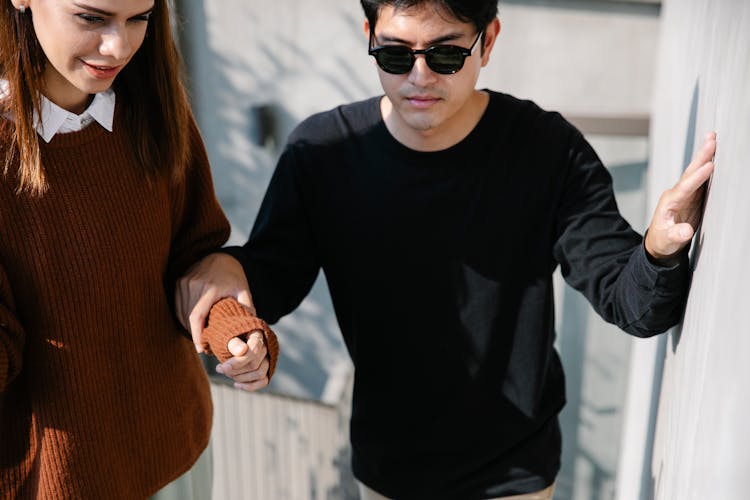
[(440, 269)]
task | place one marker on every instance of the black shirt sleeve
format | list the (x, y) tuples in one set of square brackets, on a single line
[(601, 256), (280, 258)]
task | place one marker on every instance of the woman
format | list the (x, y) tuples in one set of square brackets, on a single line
[(105, 199)]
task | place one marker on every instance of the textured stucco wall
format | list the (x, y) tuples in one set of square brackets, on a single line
[(702, 446)]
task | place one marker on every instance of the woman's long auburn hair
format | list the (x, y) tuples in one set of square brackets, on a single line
[(149, 89)]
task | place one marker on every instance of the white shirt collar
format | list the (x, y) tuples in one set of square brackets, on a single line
[(56, 120), (59, 121)]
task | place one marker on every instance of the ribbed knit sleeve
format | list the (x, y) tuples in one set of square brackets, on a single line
[(11, 335), (228, 319), (199, 224)]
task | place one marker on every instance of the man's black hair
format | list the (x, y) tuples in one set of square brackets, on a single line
[(478, 12)]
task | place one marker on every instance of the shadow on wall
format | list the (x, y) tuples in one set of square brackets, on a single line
[(589, 426), (245, 122), (245, 114), (648, 478), (687, 156)]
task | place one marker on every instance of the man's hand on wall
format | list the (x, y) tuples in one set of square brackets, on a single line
[(678, 212)]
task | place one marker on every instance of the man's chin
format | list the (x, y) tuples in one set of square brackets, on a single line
[(421, 123)]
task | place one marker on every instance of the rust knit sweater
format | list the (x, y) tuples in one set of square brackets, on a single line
[(102, 395)]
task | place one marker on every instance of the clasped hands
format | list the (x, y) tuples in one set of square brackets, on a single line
[(211, 279)]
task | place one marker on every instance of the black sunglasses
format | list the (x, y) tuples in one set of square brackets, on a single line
[(399, 59)]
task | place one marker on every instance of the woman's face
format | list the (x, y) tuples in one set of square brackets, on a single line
[(87, 43)]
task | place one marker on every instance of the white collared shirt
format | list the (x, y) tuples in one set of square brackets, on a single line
[(56, 120)]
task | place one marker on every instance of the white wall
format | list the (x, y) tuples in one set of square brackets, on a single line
[(702, 448), (594, 57)]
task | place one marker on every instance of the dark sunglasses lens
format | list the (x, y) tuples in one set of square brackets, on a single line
[(396, 60), (445, 60)]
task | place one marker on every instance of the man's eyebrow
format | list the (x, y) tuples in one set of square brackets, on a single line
[(436, 41), (107, 13)]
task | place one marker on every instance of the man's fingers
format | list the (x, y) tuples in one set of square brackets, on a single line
[(237, 347), (690, 184), (256, 342), (678, 212), (704, 154), (242, 364), (252, 386), (254, 354), (700, 168), (253, 376), (707, 150), (254, 380)]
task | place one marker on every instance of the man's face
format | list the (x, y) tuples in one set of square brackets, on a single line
[(426, 104)]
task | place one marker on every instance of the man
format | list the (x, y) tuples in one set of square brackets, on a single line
[(438, 213)]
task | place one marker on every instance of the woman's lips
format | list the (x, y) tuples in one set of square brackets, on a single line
[(101, 72)]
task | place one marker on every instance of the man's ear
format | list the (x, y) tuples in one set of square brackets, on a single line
[(490, 36), (367, 29)]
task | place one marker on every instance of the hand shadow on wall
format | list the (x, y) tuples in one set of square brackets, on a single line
[(698, 242)]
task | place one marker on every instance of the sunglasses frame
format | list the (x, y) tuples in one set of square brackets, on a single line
[(412, 53)]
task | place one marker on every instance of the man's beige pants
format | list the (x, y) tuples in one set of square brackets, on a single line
[(366, 493)]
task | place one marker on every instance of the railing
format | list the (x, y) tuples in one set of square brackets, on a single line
[(270, 446)]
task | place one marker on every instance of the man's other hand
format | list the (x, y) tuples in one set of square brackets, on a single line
[(678, 212), (249, 366)]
